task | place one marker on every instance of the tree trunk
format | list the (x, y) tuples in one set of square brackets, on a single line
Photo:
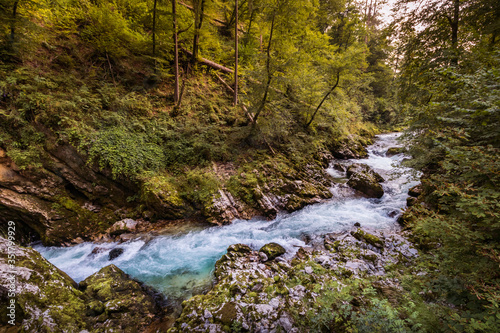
[(176, 53), (198, 21), (323, 100), (13, 24), (268, 70), (454, 31), (210, 63), (154, 28), (235, 102), (247, 34)]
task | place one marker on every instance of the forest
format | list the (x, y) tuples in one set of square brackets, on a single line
[(205, 110)]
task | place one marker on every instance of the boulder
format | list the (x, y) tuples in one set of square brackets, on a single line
[(48, 300), (366, 237), (339, 167), (395, 151), (411, 201), (272, 250), (123, 226), (366, 184), (115, 253), (363, 168), (415, 191), (117, 301), (239, 248)]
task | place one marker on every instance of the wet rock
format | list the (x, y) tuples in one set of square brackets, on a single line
[(127, 306), (272, 250), (123, 226), (97, 250), (415, 191), (411, 201), (115, 253), (366, 184), (239, 248), (395, 151), (348, 149), (363, 168), (340, 167)]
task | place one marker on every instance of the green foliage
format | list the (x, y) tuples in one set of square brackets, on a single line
[(199, 186), (108, 30), (123, 151), (455, 120)]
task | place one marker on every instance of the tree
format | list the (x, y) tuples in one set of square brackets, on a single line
[(176, 52), (235, 102), (199, 13)]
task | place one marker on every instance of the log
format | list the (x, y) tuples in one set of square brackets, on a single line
[(209, 63), (224, 83)]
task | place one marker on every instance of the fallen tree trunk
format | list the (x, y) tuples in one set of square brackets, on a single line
[(209, 63)]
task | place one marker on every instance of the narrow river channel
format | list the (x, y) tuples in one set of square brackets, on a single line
[(181, 265)]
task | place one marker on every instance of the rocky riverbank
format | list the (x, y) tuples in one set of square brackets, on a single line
[(320, 287)]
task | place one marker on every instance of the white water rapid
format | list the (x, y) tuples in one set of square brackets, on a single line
[(181, 265)]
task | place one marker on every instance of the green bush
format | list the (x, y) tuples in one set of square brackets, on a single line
[(125, 152)]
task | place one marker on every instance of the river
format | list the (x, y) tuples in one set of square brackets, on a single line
[(181, 265)]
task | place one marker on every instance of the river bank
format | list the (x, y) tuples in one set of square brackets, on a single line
[(180, 265)]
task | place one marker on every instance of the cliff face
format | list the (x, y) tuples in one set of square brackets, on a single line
[(62, 200)]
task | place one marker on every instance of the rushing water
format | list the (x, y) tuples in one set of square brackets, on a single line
[(180, 265)]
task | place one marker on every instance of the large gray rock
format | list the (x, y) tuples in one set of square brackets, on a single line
[(366, 184), (365, 180), (363, 168)]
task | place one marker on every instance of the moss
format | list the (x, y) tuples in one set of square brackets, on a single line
[(368, 238), (160, 192), (273, 250), (228, 313)]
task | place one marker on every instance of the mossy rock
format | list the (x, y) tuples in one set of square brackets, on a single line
[(47, 300), (272, 250), (415, 191), (395, 151), (363, 236), (239, 248), (363, 168), (295, 203), (127, 305), (228, 313), (366, 184)]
